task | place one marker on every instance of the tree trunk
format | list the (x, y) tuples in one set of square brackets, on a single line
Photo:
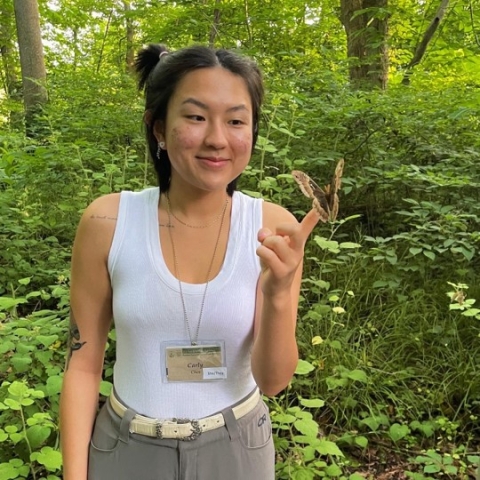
[(31, 59), (215, 24), (427, 37), (367, 48), (130, 53)]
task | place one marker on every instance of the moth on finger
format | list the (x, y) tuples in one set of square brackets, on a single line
[(324, 200)]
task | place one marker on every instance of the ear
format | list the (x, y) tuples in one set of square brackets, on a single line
[(159, 131)]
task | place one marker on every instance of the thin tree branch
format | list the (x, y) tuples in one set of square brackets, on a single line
[(427, 37)]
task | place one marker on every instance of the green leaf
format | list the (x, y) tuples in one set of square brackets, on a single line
[(18, 389), (105, 388), (54, 385), (307, 427), (13, 404), (47, 340), (326, 447), (312, 403), (429, 254), (333, 470), (303, 474), (8, 471), (303, 367), (356, 476), (37, 435), (21, 364), (283, 418), (397, 431), (48, 457), (432, 469), (415, 250), (361, 441), (349, 245), (3, 435), (358, 376), (16, 437)]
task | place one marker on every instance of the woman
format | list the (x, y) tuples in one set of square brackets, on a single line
[(202, 282)]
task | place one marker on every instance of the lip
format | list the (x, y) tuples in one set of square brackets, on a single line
[(215, 162)]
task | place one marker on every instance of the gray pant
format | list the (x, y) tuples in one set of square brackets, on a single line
[(241, 450)]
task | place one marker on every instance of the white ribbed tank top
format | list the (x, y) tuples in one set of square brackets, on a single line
[(147, 310)]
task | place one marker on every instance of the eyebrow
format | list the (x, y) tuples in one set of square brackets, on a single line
[(204, 106)]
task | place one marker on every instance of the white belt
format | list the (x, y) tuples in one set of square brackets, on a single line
[(178, 428)]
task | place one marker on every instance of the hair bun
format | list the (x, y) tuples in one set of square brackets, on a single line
[(146, 60)]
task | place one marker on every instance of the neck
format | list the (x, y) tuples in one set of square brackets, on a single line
[(196, 205)]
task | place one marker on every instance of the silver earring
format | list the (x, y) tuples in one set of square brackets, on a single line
[(161, 146)]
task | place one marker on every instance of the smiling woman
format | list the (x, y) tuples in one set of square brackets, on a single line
[(202, 283)]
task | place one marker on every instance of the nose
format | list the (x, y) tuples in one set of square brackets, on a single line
[(215, 136)]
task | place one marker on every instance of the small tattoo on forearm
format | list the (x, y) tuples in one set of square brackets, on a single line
[(103, 217), (74, 340)]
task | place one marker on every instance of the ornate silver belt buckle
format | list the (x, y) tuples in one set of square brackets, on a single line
[(196, 429), (158, 429)]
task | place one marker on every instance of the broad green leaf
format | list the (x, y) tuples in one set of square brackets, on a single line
[(303, 474), (8, 471), (283, 418), (317, 340), (326, 447), (12, 404), (333, 470), (37, 435), (429, 254), (349, 245), (303, 367), (54, 385), (397, 431), (105, 388), (47, 340), (358, 376), (361, 441), (21, 364), (48, 457), (18, 389), (312, 403), (307, 427)]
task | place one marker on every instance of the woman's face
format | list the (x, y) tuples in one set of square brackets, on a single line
[(208, 129)]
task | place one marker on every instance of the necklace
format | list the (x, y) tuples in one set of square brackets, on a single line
[(194, 341), (212, 222)]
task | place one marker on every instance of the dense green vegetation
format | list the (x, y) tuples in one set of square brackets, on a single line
[(389, 332)]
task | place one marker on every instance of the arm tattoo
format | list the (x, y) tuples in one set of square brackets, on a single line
[(74, 342), (102, 217)]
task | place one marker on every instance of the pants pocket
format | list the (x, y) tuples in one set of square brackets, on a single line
[(255, 427), (105, 437)]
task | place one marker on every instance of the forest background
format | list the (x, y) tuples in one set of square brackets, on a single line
[(389, 332)]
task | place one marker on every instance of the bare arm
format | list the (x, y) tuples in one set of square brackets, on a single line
[(90, 318), (275, 353)]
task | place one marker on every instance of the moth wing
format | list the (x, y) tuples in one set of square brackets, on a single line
[(311, 190), (324, 215), (336, 182), (334, 208), (303, 181)]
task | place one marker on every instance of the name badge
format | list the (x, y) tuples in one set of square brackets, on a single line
[(194, 363)]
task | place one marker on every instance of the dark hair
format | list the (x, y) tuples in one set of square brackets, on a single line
[(159, 72)]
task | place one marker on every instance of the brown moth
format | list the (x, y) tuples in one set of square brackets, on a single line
[(325, 200)]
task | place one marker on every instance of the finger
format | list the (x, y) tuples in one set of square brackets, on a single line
[(309, 221), (263, 233), (299, 232), (280, 246)]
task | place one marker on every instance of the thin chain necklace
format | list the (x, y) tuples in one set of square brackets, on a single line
[(194, 341), (212, 222)]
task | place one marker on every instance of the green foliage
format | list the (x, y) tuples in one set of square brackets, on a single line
[(388, 336)]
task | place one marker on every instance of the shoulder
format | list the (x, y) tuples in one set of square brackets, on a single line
[(105, 206), (97, 224), (274, 215)]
